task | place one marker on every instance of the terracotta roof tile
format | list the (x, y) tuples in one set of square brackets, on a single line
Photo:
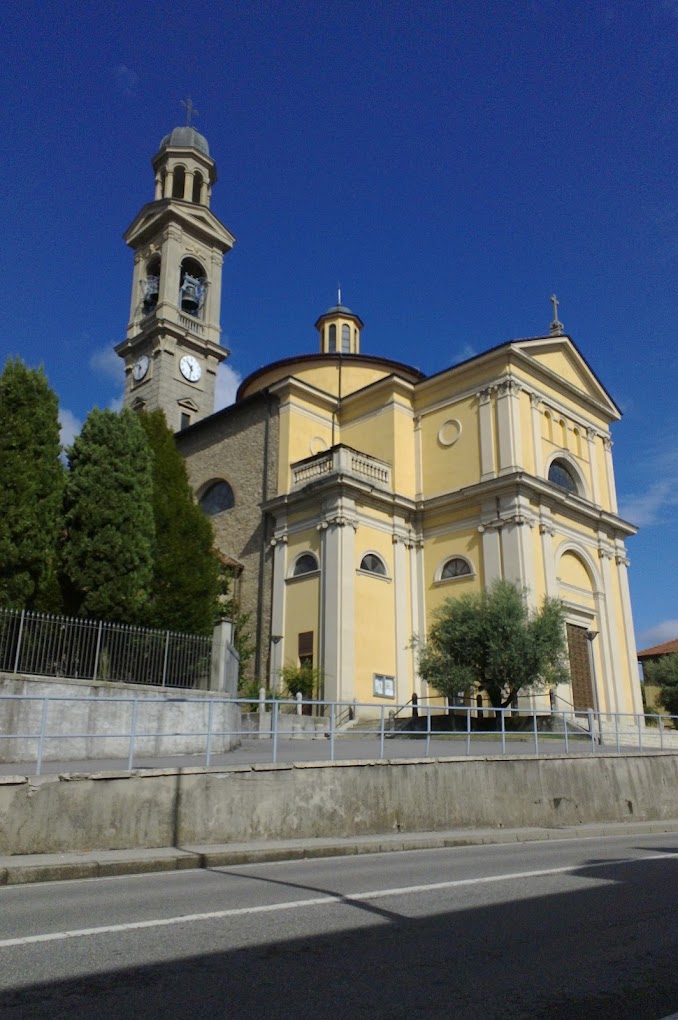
[(666, 649)]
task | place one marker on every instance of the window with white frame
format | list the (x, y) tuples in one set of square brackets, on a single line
[(304, 564), (456, 566), (383, 686), (373, 564)]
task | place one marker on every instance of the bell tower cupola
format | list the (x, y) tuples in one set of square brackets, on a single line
[(172, 348), (339, 329)]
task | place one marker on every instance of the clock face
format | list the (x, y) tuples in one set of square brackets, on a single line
[(140, 368), (189, 368)]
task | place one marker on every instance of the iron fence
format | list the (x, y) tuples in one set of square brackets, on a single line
[(43, 644), (70, 733)]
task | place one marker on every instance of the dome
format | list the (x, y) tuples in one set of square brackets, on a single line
[(339, 310), (186, 138)]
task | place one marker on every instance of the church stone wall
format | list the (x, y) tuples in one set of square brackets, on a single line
[(240, 445)]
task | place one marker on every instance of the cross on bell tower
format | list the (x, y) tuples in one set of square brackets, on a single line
[(172, 349)]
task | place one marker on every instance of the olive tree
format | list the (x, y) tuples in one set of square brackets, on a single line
[(492, 642)]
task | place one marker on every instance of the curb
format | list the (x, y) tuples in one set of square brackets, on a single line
[(30, 869)]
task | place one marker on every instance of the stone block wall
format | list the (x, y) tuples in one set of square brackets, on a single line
[(240, 445)]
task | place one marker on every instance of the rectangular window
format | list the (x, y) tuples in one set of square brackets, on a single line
[(185, 420), (383, 686), (305, 648)]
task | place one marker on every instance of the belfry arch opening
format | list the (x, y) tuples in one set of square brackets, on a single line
[(179, 182), (197, 186), (192, 287), (151, 284)]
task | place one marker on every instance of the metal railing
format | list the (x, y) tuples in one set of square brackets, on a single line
[(43, 644), (118, 732)]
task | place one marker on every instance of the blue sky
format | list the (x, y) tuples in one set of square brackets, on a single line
[(451, 164)]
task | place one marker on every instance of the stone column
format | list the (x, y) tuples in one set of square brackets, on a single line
[(338, 616), (547, 531), (222, 639), (277, 657), (418, 465), (591, 436), (492, 566), (486, 434), (622, 564), (609, 468), (188, 185), (508, 426), (612, 637), (535, 404), (403, 678)]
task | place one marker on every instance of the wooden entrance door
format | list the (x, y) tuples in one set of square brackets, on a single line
[(580, 667)]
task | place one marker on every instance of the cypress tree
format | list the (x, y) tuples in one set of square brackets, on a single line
[(185, 584), (31, 486), (107, 557)]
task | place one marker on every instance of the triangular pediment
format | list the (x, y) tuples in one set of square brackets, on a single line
[(558, 357), (196, 220), (188, 404)]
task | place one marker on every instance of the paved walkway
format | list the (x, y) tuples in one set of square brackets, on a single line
[(102, 863), (347, 747)]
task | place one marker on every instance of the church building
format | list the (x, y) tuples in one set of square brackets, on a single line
[(353, 494)]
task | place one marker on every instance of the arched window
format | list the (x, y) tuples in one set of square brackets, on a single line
[(217, 498), (345, 339), (197, 186), (179, 182), (561, 474), (151, 285), (332, 343), (373, 564), (305, 564), (192, 287), (455, 567)]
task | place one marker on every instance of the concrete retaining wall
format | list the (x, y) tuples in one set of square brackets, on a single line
[(181, 807), (168, 712)]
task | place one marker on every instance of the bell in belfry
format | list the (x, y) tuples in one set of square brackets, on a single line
[(192, 294), (150, 288)]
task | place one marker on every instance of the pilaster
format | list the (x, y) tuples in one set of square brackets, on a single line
[(486, 434), (508, 426), (277, 656), (591, 436)]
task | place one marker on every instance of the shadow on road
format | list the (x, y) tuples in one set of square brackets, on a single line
[(605, 951)]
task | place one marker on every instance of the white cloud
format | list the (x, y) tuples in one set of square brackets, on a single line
[(70, 426), (228, 381), (464, 354), (106, 363), (126, 79), (667, 630), (648, 507)]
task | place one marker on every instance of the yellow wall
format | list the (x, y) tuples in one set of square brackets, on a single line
[(374, 616), (446, 468)]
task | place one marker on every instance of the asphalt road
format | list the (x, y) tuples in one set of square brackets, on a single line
[(570, 929)]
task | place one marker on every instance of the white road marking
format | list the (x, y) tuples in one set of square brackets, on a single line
[(318, 901)]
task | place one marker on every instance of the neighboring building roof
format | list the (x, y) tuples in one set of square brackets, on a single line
[(668, 648), (185, 137)]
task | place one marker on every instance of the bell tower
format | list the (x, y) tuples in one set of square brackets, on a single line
[(339, 329), (172, 348)]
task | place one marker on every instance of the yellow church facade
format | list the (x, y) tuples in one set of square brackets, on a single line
[(395, 492), (353, 494)]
